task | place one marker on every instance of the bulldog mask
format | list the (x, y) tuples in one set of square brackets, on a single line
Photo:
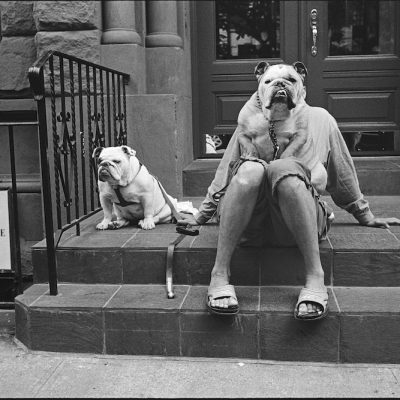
[(279, 104), (127, 190), (280, 87)]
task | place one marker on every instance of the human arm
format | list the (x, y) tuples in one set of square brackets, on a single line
[(343, 184), (247, 147)]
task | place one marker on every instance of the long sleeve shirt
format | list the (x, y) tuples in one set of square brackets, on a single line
[(330, 147)]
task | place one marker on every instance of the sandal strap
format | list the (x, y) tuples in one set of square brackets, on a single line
[(313, 296)]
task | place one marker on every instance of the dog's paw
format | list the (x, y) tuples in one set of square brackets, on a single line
[(147, 223), (103, 225), (118, 224)]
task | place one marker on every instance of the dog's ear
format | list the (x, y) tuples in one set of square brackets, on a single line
[(300, 69), (96, 152), (128, 150), (260, 68)]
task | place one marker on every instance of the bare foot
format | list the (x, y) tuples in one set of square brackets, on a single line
[(217, 280), (314, 283)]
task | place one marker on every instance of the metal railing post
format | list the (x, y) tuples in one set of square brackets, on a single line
[(46, 188)]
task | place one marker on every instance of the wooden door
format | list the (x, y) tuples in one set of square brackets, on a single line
[(360, 85), (355, 69)]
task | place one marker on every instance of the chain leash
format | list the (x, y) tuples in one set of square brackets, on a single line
[(271, 131)]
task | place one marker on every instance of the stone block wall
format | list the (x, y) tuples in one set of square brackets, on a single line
[(72, 27), (31, 28), (17, 47)]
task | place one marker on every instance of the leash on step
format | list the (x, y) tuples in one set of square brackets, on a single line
[(183, 232)]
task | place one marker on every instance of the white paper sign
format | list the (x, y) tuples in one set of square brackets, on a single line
[(5, 242)]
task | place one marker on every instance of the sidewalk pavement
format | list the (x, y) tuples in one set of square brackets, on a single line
[(25, 373)]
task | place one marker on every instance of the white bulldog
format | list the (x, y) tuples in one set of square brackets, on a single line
[(128, 189), (279, 102)]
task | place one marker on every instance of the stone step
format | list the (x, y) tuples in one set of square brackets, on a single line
[(353, 255), (377, 175), (362, 325)]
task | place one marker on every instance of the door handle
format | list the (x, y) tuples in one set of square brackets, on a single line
[(314, 30)]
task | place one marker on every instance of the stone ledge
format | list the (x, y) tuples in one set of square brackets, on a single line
[(362, 325), (26, 183), (377, 175)]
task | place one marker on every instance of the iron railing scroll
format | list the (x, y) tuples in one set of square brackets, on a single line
[(80, 106)]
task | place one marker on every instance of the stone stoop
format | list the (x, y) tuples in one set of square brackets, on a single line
[(112, 296), (361, 327)]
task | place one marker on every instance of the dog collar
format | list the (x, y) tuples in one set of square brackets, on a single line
[(122, 201)]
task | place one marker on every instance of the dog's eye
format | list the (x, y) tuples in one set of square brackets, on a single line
[(293, 80), (268, 81), (116, 161)]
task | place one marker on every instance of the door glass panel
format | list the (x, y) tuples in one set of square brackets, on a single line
[(247, 29), (361, 27), (372, 143)]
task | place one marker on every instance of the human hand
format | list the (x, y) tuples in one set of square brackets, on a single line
[(187, 219), (382, 222)]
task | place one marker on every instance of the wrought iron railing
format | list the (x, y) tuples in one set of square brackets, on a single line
[(13, 276), (80, 106)]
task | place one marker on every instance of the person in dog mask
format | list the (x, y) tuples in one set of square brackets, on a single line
[(266, 190)]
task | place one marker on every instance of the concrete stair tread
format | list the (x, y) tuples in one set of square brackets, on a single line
[(345, 234), (362, 325), (376, 175), (252, 299), (353, 255)]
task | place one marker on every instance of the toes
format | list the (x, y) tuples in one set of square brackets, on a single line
[(309, 308), (232, 301), (224, 302), (303, 309)]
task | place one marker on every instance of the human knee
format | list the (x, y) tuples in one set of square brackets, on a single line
[(291, 185), (250, 174), (281, 166)]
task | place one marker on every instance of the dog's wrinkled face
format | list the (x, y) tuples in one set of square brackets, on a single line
[(280, 84), (113, 163)]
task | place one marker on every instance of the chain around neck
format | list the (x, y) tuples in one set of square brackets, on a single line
[(271, 130)]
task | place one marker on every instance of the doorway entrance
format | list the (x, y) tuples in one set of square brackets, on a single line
[(350, 47)]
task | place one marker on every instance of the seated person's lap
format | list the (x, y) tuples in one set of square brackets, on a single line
[(267, 226)]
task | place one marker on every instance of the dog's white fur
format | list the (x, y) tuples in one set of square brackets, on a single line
[(119, 167)]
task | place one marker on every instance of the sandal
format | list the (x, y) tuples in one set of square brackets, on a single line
[(221, 292), (319, 297)]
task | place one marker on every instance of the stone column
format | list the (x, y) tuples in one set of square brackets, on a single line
[(121, 43), (161, 123), (119, 23), (162, 24)]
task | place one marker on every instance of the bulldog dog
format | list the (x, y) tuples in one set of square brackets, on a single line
[(128, 189), (279, 104)]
